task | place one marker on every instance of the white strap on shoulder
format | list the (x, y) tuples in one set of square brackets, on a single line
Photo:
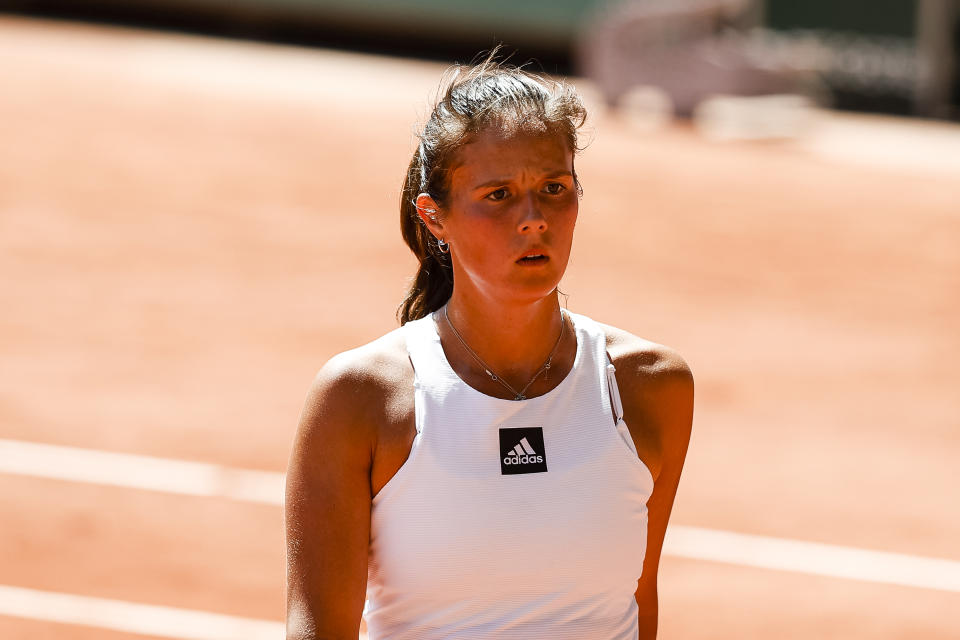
[(614, 390), (420, 335)]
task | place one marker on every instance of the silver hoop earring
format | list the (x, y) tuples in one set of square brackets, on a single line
[(444, 247)]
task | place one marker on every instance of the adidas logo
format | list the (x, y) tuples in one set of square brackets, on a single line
[(522, 451)]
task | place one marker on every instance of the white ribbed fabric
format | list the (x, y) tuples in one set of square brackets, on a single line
[(459, 550)]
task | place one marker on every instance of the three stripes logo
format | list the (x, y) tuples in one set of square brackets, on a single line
[(522, 451)]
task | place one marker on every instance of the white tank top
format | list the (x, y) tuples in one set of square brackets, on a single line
[(510, 520)]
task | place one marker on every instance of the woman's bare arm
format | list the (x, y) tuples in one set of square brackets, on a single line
[(327, 508), (656, 388)]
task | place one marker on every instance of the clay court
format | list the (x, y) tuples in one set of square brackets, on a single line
[(190, 227)]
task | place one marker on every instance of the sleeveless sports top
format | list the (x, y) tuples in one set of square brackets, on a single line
[(510, 520)]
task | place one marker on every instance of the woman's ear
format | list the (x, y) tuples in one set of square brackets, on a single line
[(429, 212)]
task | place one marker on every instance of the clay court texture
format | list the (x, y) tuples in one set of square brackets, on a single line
[(190, 227)]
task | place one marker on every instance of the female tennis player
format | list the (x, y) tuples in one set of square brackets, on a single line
[(498, 467)]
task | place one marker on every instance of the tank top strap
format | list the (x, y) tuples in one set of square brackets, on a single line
[(598, 360), (426, 354), (593, 343)]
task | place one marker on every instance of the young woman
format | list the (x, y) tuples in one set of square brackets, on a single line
[(498, 467)]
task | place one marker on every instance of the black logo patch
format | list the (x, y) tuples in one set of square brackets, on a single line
[(522, 451)]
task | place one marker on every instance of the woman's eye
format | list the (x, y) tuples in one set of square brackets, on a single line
[(555, 188), (499, 194)]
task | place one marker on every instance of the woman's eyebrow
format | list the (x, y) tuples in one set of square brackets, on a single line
[(498, 182)]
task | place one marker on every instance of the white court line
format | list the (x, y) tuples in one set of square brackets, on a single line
[(144, 619), (812, 558), (199, 479), (140, 472)]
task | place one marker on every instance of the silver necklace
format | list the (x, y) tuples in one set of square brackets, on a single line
[(517, 395)]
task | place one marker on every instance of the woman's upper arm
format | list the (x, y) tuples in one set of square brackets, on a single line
[(659, 405), (327, 506)]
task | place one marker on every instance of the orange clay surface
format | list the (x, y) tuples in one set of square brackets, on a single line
[(190, 227)]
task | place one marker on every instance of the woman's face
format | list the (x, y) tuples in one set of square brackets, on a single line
[(510, 214)]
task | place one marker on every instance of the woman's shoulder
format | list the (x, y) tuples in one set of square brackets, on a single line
[(656, 388), (644, 358), (358, 388), (354, 405), (369, 371)]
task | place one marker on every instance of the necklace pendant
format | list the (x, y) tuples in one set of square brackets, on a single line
[(517, 395)]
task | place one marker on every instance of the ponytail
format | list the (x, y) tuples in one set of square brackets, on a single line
[(431, 287)]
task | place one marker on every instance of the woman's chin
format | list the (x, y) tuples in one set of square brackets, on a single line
[(533, 289)]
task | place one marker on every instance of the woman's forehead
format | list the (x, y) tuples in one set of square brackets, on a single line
[(495, 151)]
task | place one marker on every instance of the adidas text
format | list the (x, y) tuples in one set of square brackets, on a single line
[(522, 451)]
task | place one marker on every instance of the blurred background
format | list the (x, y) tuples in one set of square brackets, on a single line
[(892, 56), (198, 207)]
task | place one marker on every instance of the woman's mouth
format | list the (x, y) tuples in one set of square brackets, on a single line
[(533, 259)]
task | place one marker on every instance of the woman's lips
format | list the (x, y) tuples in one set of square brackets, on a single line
[(533, 259)]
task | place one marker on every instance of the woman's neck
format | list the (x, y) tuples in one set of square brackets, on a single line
[(513, 340)]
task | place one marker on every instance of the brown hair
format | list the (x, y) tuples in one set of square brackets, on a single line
[(488, 94)]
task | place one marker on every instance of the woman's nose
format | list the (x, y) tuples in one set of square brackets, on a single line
[(532, 218)]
